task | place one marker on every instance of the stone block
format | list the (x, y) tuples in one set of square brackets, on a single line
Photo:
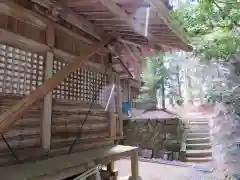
[(172, 121), (170, 129)]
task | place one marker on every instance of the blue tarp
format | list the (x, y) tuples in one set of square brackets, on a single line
[(126, 108)]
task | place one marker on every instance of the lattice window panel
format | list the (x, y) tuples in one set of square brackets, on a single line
[(81, 85), (124, 89), (134, 93), (21, 71)]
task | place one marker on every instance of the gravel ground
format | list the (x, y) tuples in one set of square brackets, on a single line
[(154, 171)]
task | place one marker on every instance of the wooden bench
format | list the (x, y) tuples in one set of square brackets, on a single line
[(61, 167)]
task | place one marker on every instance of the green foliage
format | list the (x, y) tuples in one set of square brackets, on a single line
[(164, 66), (152, 78), (211, 26)]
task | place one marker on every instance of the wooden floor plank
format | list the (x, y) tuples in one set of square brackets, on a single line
[(58, 164)]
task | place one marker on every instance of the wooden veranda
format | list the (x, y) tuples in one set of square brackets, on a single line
[(58, 58)]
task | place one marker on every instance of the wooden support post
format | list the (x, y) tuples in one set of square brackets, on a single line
[(47, 106), (119, 105), (111, 113), (9, 117), (134, 166), (47, 103), (129, 91)]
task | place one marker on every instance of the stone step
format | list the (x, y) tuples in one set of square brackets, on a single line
[(198, 126), (197, 130), (199, 153), (199, 123), (199, 159), (200, 146), (198, 140), (198, 120), (197, 135)]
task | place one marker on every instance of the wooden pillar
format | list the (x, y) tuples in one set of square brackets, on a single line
[(119, 105), (129, 91), (111, 113), (134, 166), (47, 106)]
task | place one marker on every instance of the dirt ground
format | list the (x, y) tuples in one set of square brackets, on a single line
[(154, 171)]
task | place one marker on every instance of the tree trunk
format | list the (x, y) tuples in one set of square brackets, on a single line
[(178, 81), (163, 94)]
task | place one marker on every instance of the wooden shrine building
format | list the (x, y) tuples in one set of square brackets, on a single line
[(60, 63)]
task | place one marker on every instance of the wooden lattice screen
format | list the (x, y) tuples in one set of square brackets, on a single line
[(81, 85), (124, 89), (134, 93), (21, 71)]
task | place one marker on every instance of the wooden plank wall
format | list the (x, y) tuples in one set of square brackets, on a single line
[(22, 28), (22, 70), (71, 102)]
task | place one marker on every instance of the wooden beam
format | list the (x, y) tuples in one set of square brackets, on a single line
[(9, 117), (42, 169), (7, 37), (137, 75), (131, 22), (27, 13), (116, 51), (82, 23), (82, 3), (76, 20)]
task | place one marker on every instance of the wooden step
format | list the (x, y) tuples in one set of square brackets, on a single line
[(200, 146), (199, 153), (198, 140), (198, 135), (199, 159)]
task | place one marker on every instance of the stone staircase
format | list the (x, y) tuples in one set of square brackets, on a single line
[(198, 143)]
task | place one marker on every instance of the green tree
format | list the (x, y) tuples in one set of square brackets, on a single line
[(212, 26), (162, 80), (153, 78)]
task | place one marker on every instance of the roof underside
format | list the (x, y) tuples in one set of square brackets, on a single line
[(124, 19)]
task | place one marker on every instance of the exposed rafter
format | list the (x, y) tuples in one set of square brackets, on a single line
[(96, 32), (163, 13), (131, 22)]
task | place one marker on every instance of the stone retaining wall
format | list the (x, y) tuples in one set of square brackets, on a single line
[(157, 136)]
